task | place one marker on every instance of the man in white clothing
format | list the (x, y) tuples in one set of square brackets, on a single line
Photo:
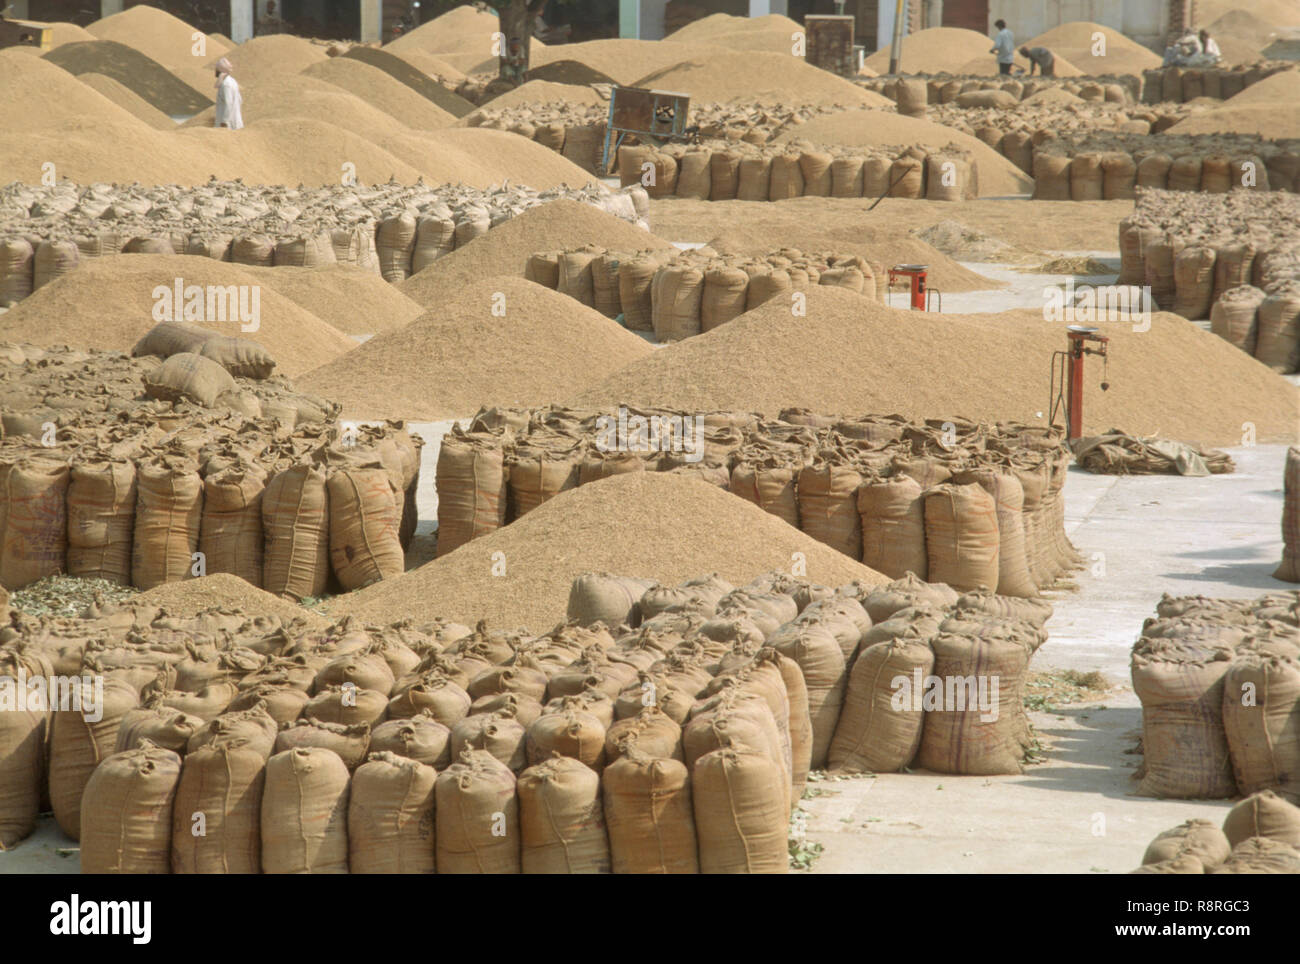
[(229, 99), (1004, 45)]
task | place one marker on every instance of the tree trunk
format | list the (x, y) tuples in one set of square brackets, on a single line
[(516, 23)]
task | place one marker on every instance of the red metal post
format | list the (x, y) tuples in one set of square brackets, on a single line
[(918, 291), (1074, 399)]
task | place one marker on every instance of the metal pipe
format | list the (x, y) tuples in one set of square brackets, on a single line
[(896, 48)]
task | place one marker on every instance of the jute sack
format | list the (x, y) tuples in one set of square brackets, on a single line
[(1216, 174), (307, 251), (421, 738), (446, 701), (1194, 281), (765, 284), (912, 97), (753, 182), (1159, 270), (23, 732), (828, 511), (230, 528), (220, 794), (1051, 177), (879, 730), (349, 743), (1014, 578), (498, 733), (575, 279), (664, 182), (162, 726), (543, 268), (631, 159), (434, 237), (1289, 569), (961, 536), (876, 177), (1278, 346), (947, 177), (1259, 855), (126, 824), (562, 819), (733, 717), (694, 179), (78, 744), (606, 598), (305, 813), (973, 729), (168, 513), (786, 178), (816, 169), (907, 174), (821, 659), (724, 175), (295, 523), (652, 732), (1018, 148), (1118, 176), (472, 488), (472, 222), (741, 814), (604, 284), (391, 817), (364, 513), (53, 259), (17, 262), (770, 484), (1263, 814), (648, 808), (597, 465), (892, 514), (255, 249), (35, 522), (1262, 722), (189, 376), (1253, 172), (477, 812), (353, 245), (724, 294), (583, 145), (635, 277), (1233, 267), (538, 476), (1196, 838), (1086, 177), (676, 297), (395, 246), (1185, 747), (1233, 316), (253, 728), (347, 705), (1185, 173), (101, 519), (550, 135), (846, 176), (569, 732)]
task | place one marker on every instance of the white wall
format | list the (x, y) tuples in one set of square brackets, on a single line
[(1143, 20), (241, 20)]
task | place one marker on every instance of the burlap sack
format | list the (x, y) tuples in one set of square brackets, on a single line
[(78, 745), (216, 822), (52, 260), (562, 819), (1262, 724), (651, 824), (892, 513), (478, 830), (754, 179), (1263, 814), (17, 263), (879, 730), (23, 733), (295, 523), (1289, 569), (1196, 838), (816, 169), (395, 246), (786, 179), (828, 511), (305, 813), (770, 484), (724, 295), (391, 817), (575, 277), (694, 179), (1194, 281), (676, 297), (1051, 177), (961, 536), (741, 817), (1278, 317), (364, 513), (168, 513), (126, 822)]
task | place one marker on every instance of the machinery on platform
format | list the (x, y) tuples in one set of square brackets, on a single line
[(1066, 386), (655, 117), (23, 33), (919, 292)]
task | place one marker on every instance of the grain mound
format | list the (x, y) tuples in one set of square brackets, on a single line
[(1074, 41), (1271, 120), (426, 62), (853, 128), (459, 356), (648, 524), (431, 88), (852, 356), (143, 75), (481, 158), (1278, 13), (277, 53), (156, 34), (128, 100), (569, 72), (1052, 97), (108, 303), (40, 96), (623, 59), (1241, 36), (352, 299), (225, 591), (754, 75), (548, 92), (934, 50), (1280, 89), (458, 30), (65, 33), (382, 91), (772, 32), (505, 249)]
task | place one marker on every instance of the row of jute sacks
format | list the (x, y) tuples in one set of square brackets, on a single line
[(394, 246), (749, 172), (1289, 569), (913, 93), (676, 294), (1176, 84), (1260, 835), (294, 516), (1219, 681), (953, 501), (1111, 175), (677, 744)]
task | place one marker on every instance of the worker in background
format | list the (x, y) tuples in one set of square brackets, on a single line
[(1040, 57), (229, 100), (1004, 45), (1208, 46), (1182, 51)]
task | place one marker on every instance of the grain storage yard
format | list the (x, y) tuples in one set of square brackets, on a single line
[(700, 449)]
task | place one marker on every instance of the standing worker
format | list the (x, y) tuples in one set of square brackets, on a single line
[(1004, 45), (229, 100), (1040, 57)]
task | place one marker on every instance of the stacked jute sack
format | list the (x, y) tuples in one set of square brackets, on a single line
[(775, 172), (1260, 835), (393, 230), (1175, 84), (578, 130), (1289, 569), (1063, 172), (1219, 681), (1038, 121), (148, 493), (662, 729), (953, 501), (676, 294), (913, 92), (1233, 258)]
